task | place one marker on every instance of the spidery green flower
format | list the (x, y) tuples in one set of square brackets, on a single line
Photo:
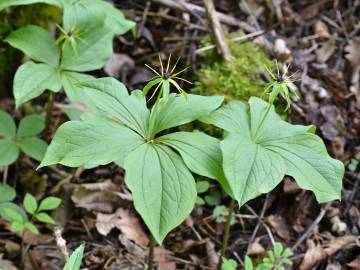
[(280, 86), (164, 79), (70, 37)]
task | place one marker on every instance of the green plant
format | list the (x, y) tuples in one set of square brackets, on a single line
[(74, 262), (17, 216), (275, 259), (163, 188), (259, 149), (84, 44), (23, 138)]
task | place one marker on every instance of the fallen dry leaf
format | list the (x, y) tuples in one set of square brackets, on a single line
[(123, 220), (119, 63), (279, 226), (163, 258), (353, 55), (5, 264), (100, 197), (321, 30), (326, 50), (355, 264), (316, 253), (256, 248)]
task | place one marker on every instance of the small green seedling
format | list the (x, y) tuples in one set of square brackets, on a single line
[(353, 165), (23, 138), (8, 194), (275, 259), (84, 44), (38, 211), (74, 262), (17, 216), (220, 214)]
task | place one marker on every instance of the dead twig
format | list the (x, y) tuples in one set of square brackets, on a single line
[(262, 213), (237, 39), (311, 228), (217, 30), (224, 18)]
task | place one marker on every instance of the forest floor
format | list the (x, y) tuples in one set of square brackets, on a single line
[(321, 40)]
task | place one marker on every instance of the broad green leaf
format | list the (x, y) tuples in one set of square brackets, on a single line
[(111, 96), (248, 263), (31, 227), (163, 189), (200, 152), (49, 203), (250, 169), (278, 249), (7, 192), (31, 80), (30, 203), (176, 111), (233, 118), (257, 153), (74, 91), (73, 113), (7, 215), (37, 43), (33, 147), (43, 217), (74, 262), (228, 264), (78, 12), (93, 49), (9, 152), (202, 186), (7, 125), (31, 125), (17, 226), (13, 215), (78, 143), (115, 19), (7, 3)]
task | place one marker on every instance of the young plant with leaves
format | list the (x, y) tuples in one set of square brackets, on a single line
[(275, 259), (84, 44), (24, 138), (17, 216), (158, 167), (259, 149)]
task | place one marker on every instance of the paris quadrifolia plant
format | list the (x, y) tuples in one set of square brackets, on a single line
[(83, 43), (257, 151)]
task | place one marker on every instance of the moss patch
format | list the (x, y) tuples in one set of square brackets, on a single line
[(241, 79)]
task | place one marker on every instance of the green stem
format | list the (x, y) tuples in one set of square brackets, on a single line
[(262, 122), (151, 253), (227, 227), (49, 110)]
